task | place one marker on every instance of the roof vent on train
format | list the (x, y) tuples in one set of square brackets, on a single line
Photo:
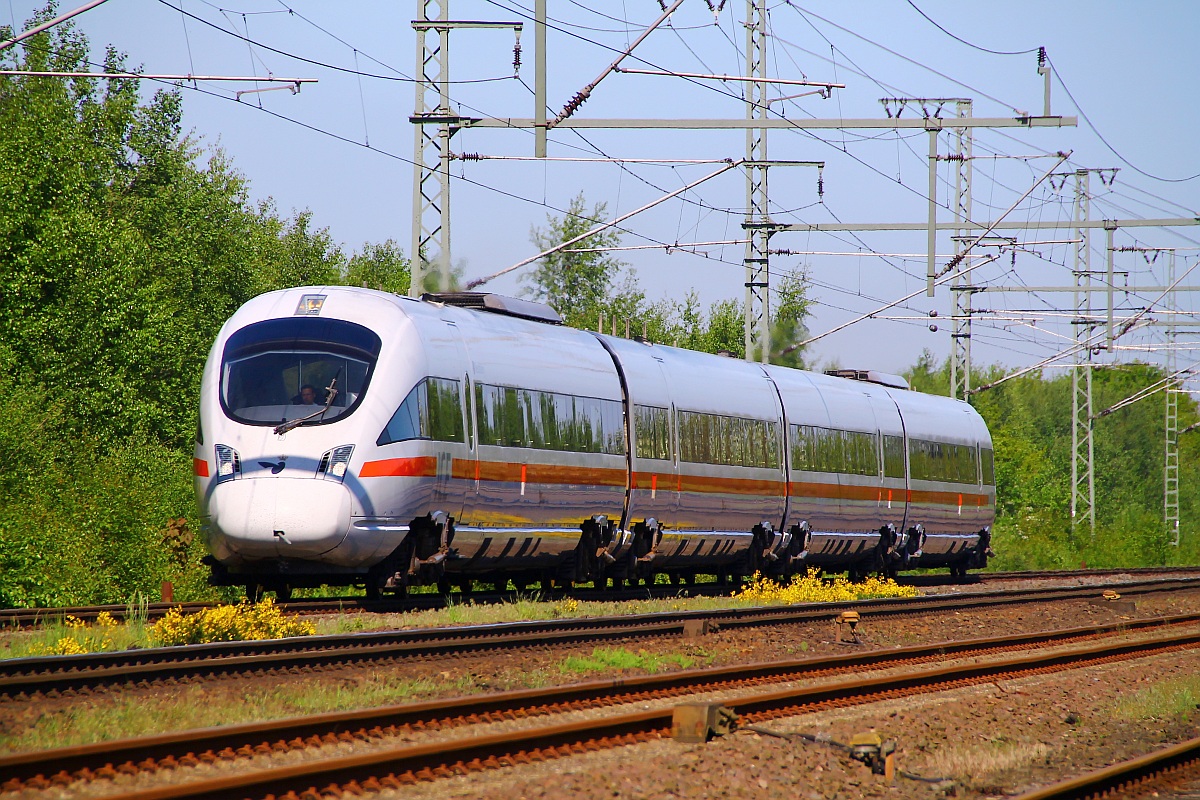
[(870, 376), (497, 304)]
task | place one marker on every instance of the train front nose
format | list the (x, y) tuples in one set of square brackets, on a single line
[(268, 518)]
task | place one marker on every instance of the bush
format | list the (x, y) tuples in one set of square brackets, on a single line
[(812, 588), (240, 623)]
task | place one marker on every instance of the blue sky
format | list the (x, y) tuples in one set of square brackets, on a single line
[(341, 147)]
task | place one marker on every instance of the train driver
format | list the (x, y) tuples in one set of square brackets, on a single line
[(307, 396)]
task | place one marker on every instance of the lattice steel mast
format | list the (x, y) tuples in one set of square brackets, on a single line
[(758, 224)]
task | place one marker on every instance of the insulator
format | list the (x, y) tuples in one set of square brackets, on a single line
[(574, 103), (470, 157), (933, 328), (1041, 57), (517, 56)]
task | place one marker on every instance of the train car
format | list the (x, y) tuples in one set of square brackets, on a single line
[(356, 437)]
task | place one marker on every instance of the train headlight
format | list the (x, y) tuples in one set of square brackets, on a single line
[(335, 462), (229, 463)]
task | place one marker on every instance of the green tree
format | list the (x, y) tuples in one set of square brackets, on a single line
[(1030, 419), (576, 284), (789, 311), (380, 266), (123, 249)]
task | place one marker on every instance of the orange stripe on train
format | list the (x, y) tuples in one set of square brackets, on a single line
[(510, 472), (419, 467)]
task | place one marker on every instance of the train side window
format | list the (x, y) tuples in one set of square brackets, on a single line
[(531, 410), (445, 420), (893, 456), (734, 441), (817, 449), (432, 410), (942, 461), (613, 413), (601, 425), (500, 417), (989, 469), (468, 412), (512, 417)]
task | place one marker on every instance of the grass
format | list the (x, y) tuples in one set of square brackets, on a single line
[(67, 635), (977, 765), (199, 706), (73, 636), (195, 706), (1170, 700), (607, 659)]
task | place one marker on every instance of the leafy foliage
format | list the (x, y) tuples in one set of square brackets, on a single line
[(1030, 422), (575, 280), (122, 251), (591, 289), (243, 622), (813, 588)]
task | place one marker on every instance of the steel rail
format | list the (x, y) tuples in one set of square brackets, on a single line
[(46, 674), (397, 766), (64, 763), (1133, 776)]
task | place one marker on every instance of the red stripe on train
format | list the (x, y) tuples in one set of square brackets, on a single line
[(419, 467)]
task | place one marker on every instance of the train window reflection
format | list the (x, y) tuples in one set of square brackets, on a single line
[(817, 449), (989, 469), (513, 417), (735, 441), (893, 456), (942, 461), (432, 410), (652, 429)]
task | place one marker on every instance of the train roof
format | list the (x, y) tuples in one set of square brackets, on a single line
[(519, 320)]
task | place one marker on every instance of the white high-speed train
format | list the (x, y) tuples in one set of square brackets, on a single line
[(356, 437)]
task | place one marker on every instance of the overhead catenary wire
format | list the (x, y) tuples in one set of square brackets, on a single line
[(480, 281), (700, 197)]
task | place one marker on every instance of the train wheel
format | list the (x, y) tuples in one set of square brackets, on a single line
[(443, 585), (254, 592), (283, 593)]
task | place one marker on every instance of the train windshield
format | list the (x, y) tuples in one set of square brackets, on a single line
[(283, 369)]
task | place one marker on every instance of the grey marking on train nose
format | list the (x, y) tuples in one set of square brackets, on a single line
[(275, 468)]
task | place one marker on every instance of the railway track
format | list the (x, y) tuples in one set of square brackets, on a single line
[(24, 617), (752, 693), (74, 673), (1171, 771)]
